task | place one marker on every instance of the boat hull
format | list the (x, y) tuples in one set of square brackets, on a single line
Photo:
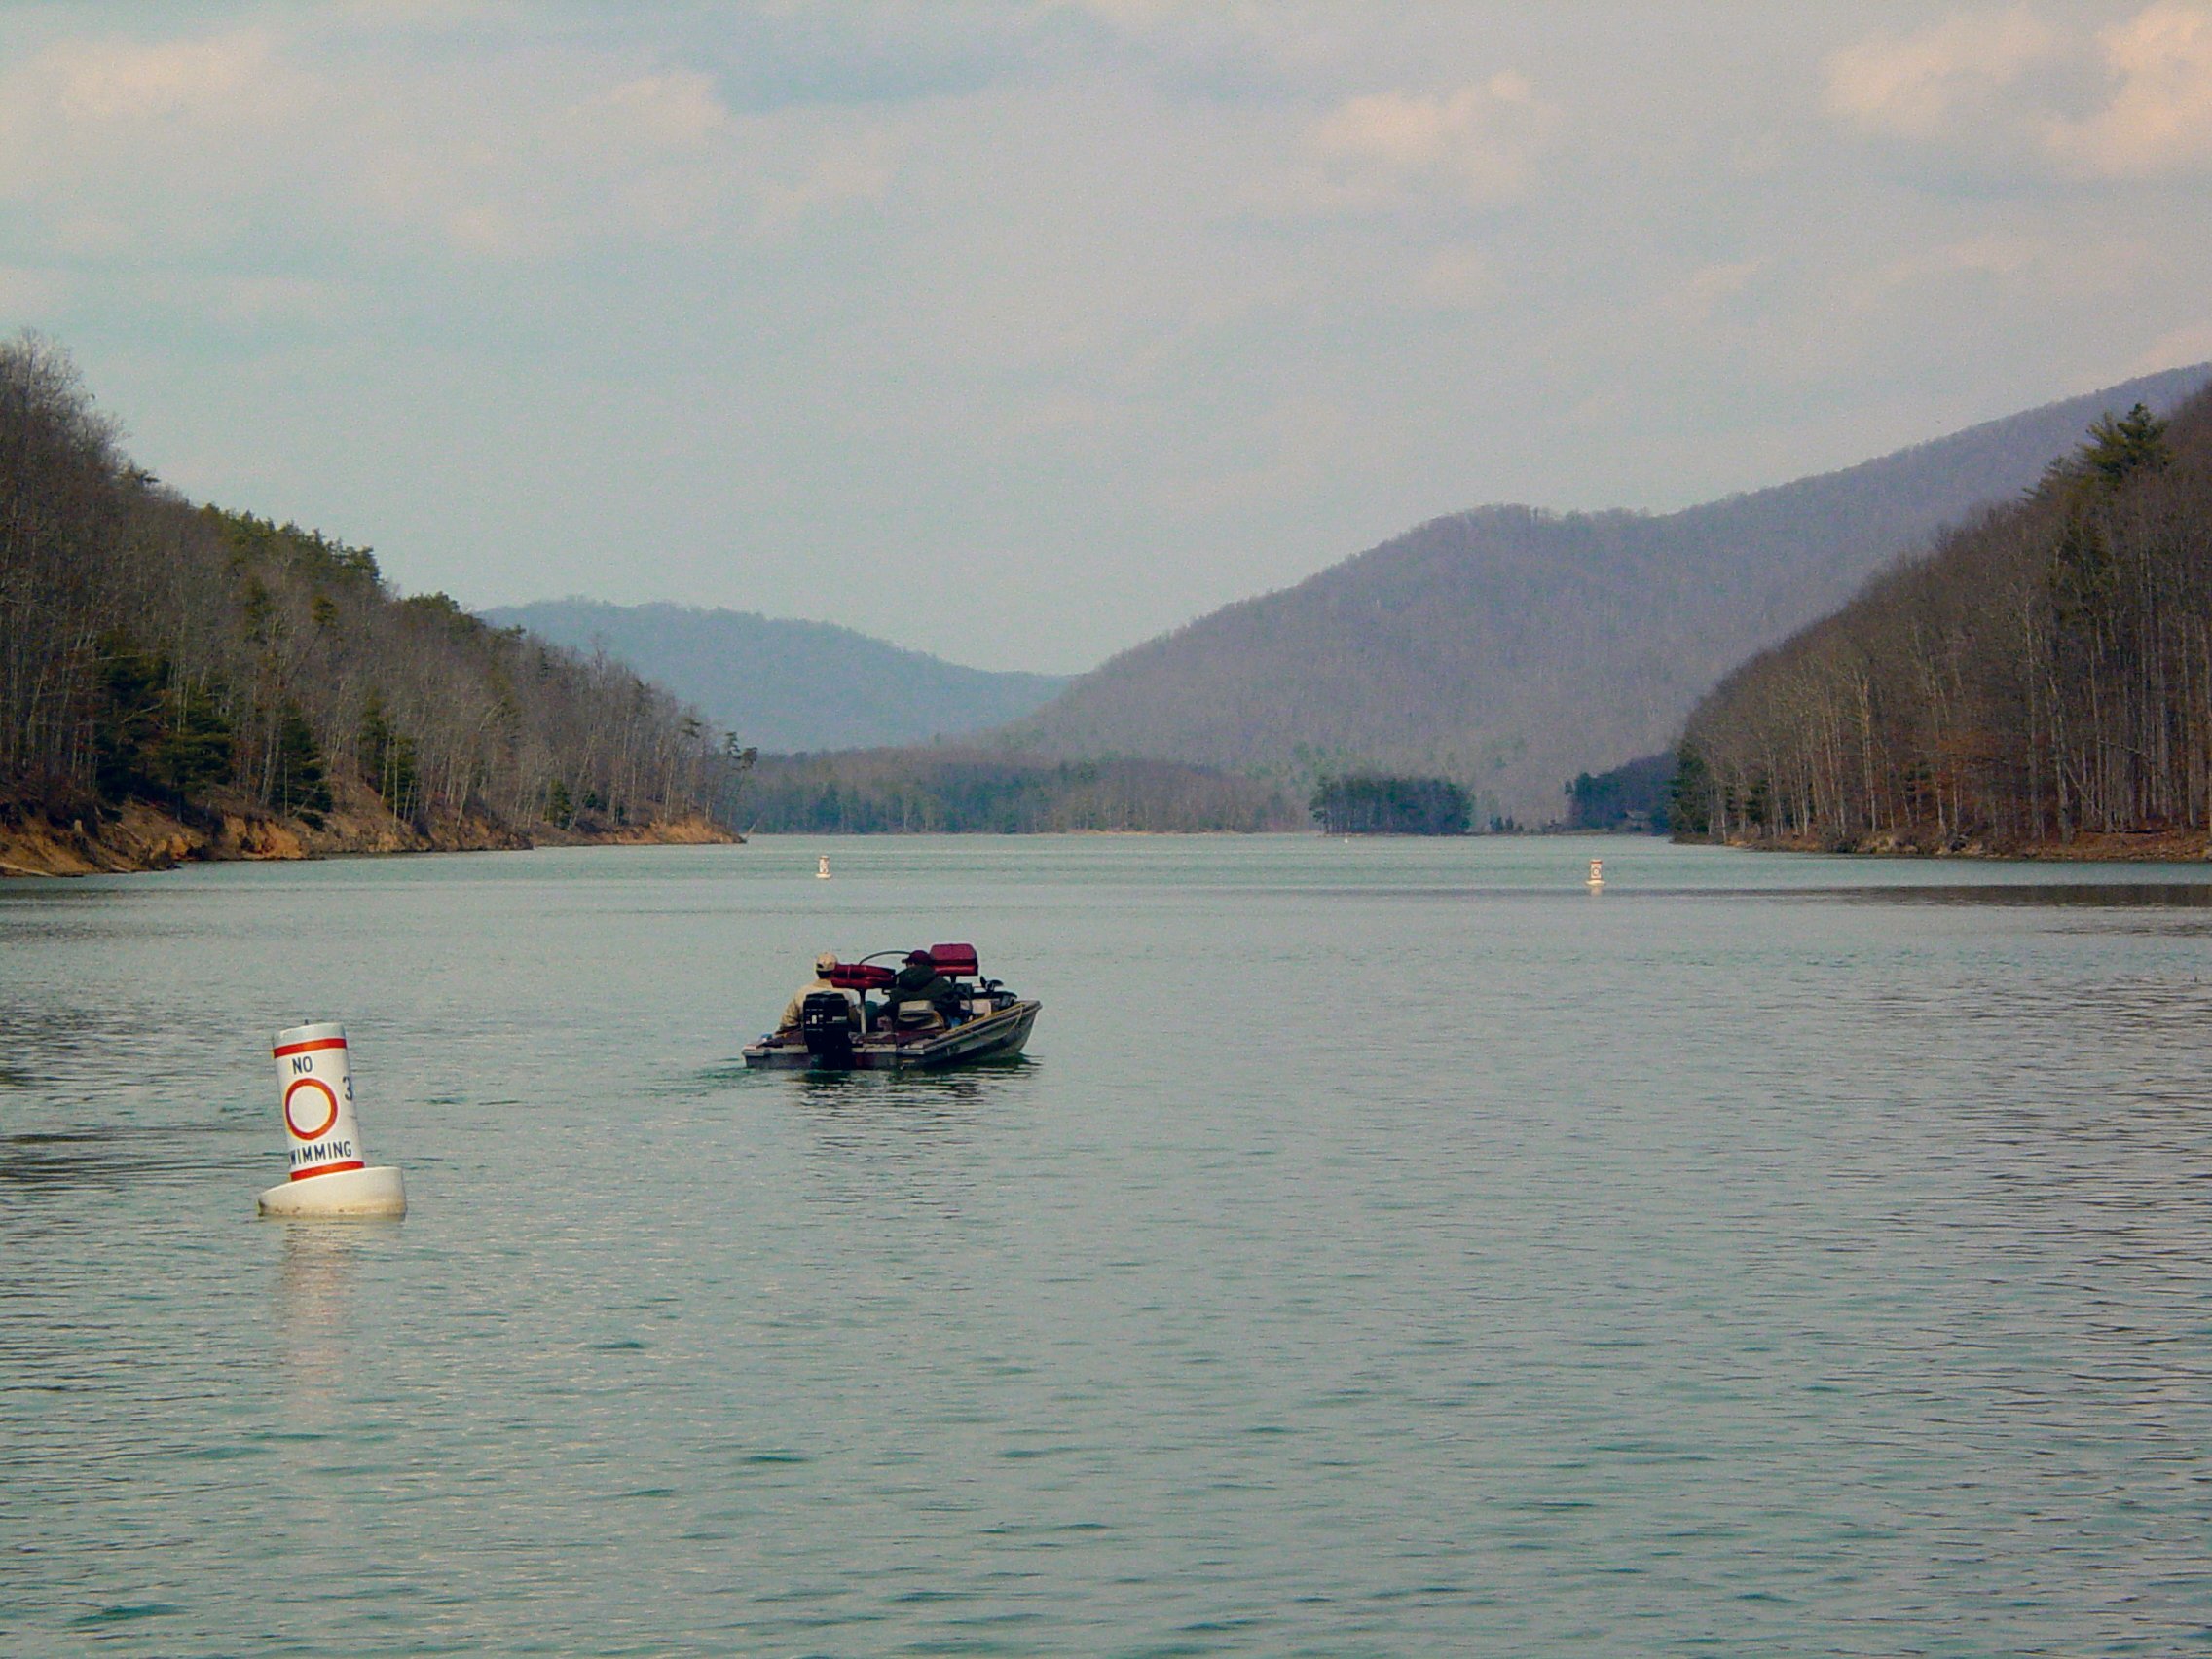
[(994, 1037)]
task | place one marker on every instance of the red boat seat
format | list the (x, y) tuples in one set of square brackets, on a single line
[(860, 976), (955, 961)]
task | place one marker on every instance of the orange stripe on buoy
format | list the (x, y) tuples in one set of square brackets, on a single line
[(309, 1047), (327, 1170)]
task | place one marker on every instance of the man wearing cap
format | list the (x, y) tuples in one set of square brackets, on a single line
[(822, 967), (920, 982)]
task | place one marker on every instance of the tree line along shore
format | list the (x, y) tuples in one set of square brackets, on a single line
[(179, 681), (2040, 683)]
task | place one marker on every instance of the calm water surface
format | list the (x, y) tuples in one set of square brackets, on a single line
[(1388, 1249)]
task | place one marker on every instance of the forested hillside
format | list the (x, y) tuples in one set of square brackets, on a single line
[(2044, 676), (263, 685), (945, 790), (786, 685), (1510, 648)]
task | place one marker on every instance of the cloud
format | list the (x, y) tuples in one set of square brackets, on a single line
[(124, 149), (2159, 116), (90, 236), (1477, 143), (839, 175), (119, 81), (1972, 258), (2010, 93), (1134, 15), (509, 150), (256, 301), (1711, 288), (86, 118), (29, 292), (2192, 343), (2021, 262), (671, 111), (1457, 278), (1919, 86), (1270, 450)]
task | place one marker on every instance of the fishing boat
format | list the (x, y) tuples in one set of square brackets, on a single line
[(839, 1031)]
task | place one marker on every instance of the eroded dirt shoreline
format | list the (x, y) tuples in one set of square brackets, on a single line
[(2147, 847), (143, 837)]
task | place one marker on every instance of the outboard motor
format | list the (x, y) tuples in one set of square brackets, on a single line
[(828, 1024)]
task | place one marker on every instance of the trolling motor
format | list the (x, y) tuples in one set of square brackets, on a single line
[(829, 1026)]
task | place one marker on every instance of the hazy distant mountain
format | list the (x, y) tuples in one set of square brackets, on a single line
[(786, 686), (1511, 648)]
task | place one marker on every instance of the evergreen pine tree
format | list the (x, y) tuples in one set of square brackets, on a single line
[(2134, 442), (301, 787)]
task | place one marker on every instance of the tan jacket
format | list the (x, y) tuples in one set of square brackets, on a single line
[(789, 1020)]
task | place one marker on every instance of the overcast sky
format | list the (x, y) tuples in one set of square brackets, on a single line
[(1019, 332)]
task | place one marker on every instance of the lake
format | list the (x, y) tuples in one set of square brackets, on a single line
[(1387, 1248)]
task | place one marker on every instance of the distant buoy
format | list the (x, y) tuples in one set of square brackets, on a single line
[(1597, 874), (330, 1170), (822, 869)]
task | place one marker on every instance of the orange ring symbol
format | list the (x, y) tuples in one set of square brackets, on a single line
[(320, 1129)]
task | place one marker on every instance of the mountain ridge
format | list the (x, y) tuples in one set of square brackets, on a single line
[(1509, 648), (786, 685)]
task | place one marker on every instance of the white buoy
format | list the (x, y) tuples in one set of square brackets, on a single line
[(822, 869), (1597, 874), (330, 1171)]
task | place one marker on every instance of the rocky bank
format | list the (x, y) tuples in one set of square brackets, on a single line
[(141, 837), (2139, 846)]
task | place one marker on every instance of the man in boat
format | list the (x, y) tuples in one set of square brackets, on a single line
[(823, 966), (919, 982)]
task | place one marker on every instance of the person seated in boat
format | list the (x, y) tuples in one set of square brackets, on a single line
[(823, 966), (919, 982)]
